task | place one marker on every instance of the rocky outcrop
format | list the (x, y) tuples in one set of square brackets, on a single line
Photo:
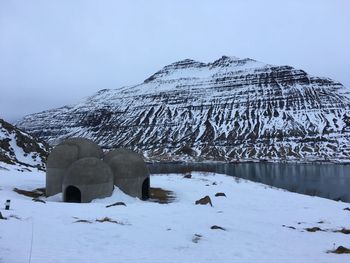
[(19, 150), (231, 109)]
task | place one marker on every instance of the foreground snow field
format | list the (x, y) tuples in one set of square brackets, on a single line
[(252, 215)]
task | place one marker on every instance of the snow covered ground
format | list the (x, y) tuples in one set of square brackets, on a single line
[(252, 214)]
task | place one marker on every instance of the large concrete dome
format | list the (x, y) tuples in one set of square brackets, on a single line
[(130, 172), (88, 178), (62, 156)]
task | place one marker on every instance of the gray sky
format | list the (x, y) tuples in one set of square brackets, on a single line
[(54, 53)]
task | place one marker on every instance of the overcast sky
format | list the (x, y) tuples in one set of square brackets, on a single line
[(54, 53)]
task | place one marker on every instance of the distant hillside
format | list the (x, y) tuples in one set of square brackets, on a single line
[(19, 150)]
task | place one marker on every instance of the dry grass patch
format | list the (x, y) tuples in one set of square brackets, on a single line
[(33, 193), (161, 196)]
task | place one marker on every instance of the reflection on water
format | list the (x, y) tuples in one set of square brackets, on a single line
[(325, 180)]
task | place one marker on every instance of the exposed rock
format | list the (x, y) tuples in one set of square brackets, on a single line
[(340, 250), (83, 221), (220, 194), (217, 227), (230, 109), (343, 230), (188, 176), (291, 227), (38, 200), (204, 201), (313, 229), (115, 204)]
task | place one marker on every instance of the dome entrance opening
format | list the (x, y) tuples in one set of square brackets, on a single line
[(145, 189), (72, 194)]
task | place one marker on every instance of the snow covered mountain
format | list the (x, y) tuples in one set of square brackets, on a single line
[(20, 150), (229, 109)]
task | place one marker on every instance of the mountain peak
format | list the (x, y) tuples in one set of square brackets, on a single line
[(186, 67), (186, 63), (229, 61), (176, 66)]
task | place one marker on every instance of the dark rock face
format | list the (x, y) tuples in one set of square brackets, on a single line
[(230, 109), (20, 149)]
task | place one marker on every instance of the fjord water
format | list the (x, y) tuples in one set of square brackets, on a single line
[(330, 181)]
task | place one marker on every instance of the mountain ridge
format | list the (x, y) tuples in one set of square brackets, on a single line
[(230, 109)]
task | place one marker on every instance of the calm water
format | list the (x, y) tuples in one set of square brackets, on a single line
[(325, 180)]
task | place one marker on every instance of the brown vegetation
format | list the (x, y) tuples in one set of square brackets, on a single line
[(161, 196), (33, 193), (204, 201)]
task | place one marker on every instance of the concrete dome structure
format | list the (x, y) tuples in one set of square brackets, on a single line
[(87, 179), (130, 172), (62, 156), (75, 168)]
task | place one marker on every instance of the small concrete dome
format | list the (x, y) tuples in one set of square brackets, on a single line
[(86, 147), (130, 172), (88, 178), (62, 156)]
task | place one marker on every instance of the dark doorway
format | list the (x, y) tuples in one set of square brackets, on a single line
[(145, 189), (72, 194)]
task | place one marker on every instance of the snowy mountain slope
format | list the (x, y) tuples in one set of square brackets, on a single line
[(230, 109), (19, 150), (258, 222)]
